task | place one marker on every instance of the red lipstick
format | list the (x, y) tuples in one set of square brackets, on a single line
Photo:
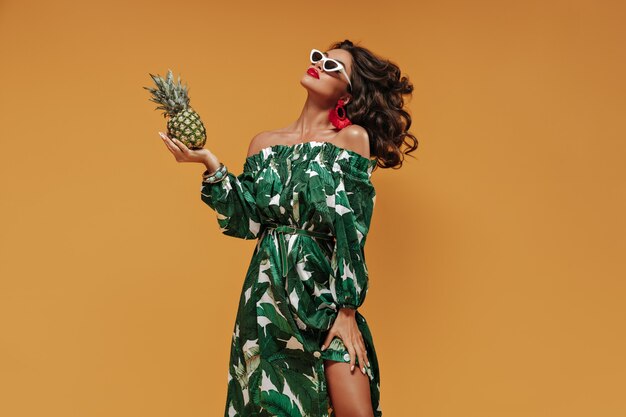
[(313, 72)]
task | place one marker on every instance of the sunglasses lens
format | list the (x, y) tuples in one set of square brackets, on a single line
[(316, 56), (330, 65)]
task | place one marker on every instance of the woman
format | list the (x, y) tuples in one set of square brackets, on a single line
[(305, 194)]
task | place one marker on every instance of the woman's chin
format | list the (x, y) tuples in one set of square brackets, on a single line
[(306, 83)]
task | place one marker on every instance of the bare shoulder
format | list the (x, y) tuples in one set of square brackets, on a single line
[(259, 141), (354, 138)]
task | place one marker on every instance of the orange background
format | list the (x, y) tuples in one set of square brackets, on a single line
[(496, 255)]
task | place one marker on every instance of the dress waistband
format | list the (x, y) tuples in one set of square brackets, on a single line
[(283, 229)]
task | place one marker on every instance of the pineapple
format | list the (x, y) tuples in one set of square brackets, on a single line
[(184, 123)]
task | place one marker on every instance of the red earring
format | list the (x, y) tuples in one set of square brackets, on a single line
[(338, 116)]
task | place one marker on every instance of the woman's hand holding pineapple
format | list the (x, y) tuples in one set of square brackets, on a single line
[(183, 154)]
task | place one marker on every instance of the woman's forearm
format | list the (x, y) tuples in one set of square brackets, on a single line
[(211, 162)]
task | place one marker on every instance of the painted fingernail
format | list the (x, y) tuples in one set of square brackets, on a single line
[(323, 347), (352, 368), (363, 370)]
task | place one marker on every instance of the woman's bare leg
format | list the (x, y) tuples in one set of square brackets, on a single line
[(349, 391)]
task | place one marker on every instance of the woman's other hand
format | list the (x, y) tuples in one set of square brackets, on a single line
[(346, 328)]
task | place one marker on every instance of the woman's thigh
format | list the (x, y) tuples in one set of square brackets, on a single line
[(349, 391)]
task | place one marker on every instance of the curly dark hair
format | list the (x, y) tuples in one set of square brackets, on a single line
[(376, 104)]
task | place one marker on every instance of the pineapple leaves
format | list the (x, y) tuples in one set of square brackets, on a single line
[(173, 98)]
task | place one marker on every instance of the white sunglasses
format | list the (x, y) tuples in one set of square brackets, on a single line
[(329, 64)]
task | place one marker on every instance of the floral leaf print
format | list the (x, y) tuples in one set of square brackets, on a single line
[(310, 206)]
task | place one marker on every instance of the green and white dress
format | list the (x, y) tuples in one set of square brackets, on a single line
[(309, 205)]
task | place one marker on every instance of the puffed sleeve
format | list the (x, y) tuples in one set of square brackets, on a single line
[(354, 201), (233, 200)]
